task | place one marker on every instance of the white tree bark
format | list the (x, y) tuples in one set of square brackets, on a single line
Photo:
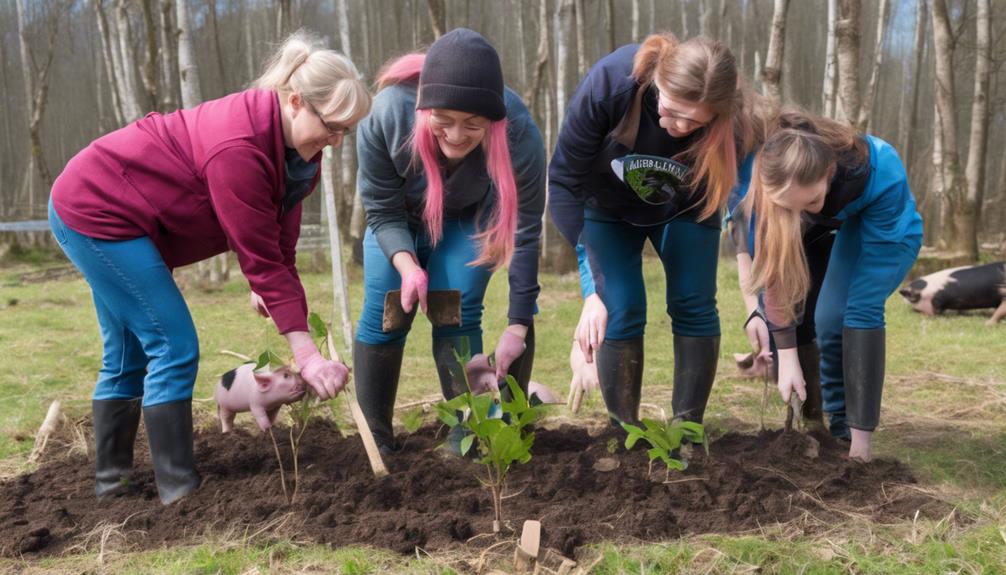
[(192, 94), (249, 43), (909, 110), (847, 35), (866, 113), (684, 20), (830, 64), (953, 181), (149, 69), (581, 43), (27, 73), (635, 21), (772, 74), (168, 53), (969, 213), (130, 102), (109, 60), (563, 31)]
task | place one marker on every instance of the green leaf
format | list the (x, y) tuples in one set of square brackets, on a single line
[(447, 414), (466, 444), (413, 420), (318, 328), (266, 359)]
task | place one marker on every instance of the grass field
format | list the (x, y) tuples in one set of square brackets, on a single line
[(944, 414)]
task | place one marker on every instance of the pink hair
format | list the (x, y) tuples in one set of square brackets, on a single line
[(496, 244)]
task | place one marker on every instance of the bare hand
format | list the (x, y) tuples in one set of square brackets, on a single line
[(592, 326), (258, 304), (790, 375)]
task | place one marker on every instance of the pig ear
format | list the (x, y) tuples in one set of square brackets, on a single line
[(264, 381)]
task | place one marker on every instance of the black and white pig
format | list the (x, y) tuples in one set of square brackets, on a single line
[(963, 288)]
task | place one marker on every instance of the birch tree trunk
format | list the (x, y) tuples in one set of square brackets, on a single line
[(188, 72), (772, 73), (558, 255), (438, 20), (635, 21), (953, 180), (609, 21), (170, 90), (130, 103), (847, 37), (283, 19), (249, 43), (969, 211), (521, 44), (28, 78), (581, 44), (215, 33), (149, 70), (109, 63), (909, 110), (684, 21), (866, 113)]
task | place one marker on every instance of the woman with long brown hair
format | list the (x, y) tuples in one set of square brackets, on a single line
[(817, 182), (648, 152)]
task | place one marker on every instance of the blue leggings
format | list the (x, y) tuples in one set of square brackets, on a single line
[(149, 342), (836, 308), (611, 264), (447, 266)]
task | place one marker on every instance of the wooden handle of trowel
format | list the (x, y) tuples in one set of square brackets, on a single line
[(373, 454)]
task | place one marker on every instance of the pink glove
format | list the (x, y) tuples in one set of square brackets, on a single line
[(414, 288), (326, 377), (509, 348), (481, 375)]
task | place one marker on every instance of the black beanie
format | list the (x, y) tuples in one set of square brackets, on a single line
[(462, 72)]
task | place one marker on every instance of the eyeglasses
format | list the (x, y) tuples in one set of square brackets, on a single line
[(682, 120), (332, 131)]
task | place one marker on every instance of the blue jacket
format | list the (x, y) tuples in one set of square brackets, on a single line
[(393, 189), (580, 176), (880, 199)]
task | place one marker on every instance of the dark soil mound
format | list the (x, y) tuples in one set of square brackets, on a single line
[(435, 502)]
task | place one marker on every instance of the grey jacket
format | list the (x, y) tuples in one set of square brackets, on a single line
[(393, 189)]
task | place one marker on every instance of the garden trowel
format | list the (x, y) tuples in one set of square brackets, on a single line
[(443, 308)]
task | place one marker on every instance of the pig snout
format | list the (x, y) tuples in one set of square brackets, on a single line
[(910, 295)]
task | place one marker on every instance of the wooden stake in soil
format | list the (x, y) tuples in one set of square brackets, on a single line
[(48, 427), (373, 454)]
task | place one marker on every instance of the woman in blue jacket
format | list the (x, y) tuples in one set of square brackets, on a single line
[(813, 172), (648, 152), (452, 177)]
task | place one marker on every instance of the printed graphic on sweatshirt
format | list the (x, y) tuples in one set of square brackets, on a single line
[(654, 179)]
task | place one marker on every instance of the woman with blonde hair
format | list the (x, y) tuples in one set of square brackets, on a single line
[(814, 178), (172, 189), (648, 152), (452, 176)]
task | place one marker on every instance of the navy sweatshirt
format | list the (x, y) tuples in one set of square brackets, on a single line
[(393, 189), (580, 175)]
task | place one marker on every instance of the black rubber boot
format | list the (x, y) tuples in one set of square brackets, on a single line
[(115, 425), (169, 431), (376, 369), (810, 365), (450, 372), (521, 367), (863, 355), (620, 374), (452, 384), (695, 361)]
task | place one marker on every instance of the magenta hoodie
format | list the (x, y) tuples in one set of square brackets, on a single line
[(197, 182)]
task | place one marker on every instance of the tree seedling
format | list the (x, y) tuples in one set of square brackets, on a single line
[(666, 440), (500, 441)]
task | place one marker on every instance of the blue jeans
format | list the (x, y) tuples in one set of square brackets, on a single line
[(447, 267), (611, 265), (149, 342), (853, 294)]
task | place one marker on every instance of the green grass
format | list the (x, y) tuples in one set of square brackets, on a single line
[(944, 414)]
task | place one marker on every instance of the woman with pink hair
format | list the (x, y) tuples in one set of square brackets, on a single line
[(452, 176)]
